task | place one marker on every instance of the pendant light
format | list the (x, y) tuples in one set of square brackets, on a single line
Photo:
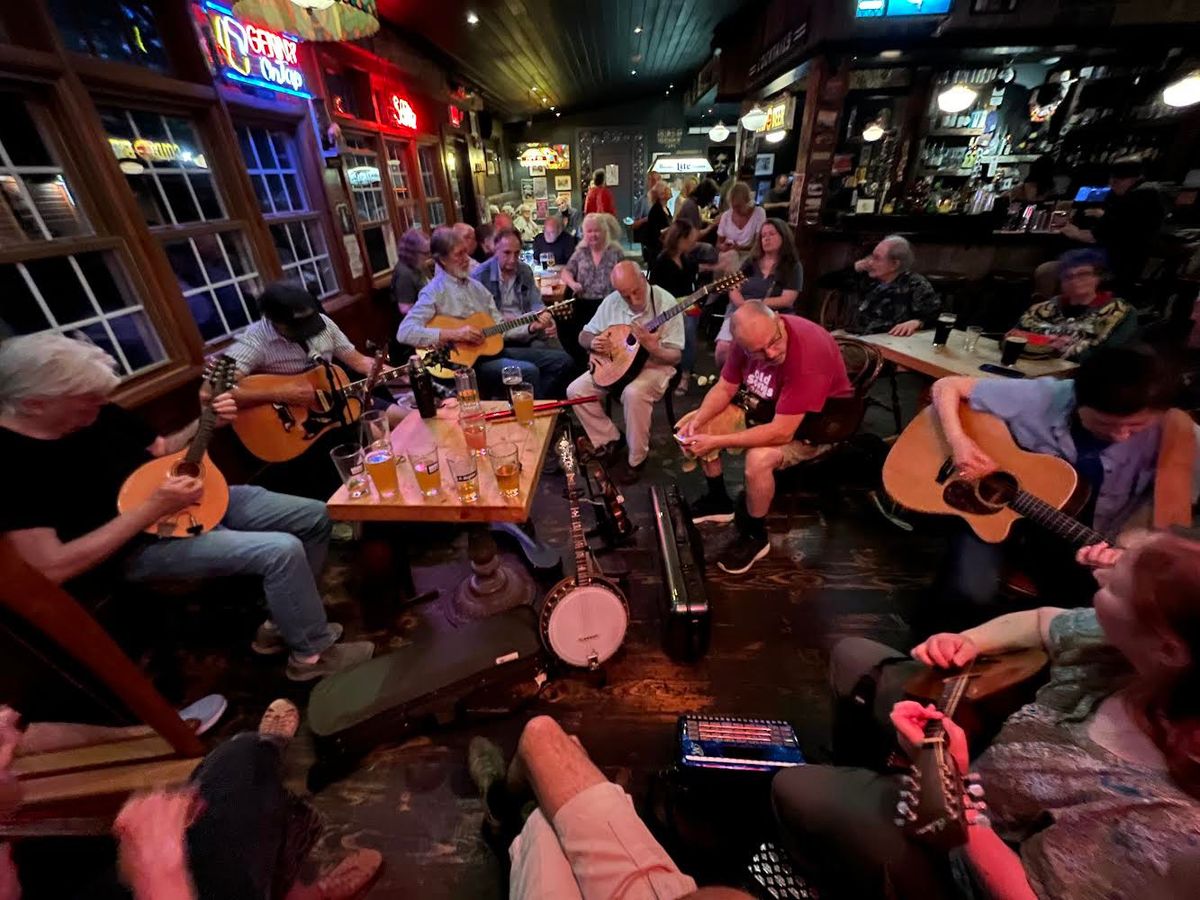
[(956, 98), (873, 132), (314, 4), (1184, 92), (718, 133), (755, 119), (774, 137)]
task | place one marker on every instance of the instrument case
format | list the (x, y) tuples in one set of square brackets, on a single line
[(686, 615), (488, 666)]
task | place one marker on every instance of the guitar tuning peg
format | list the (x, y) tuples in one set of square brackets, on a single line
[(908, 781), (903, 808), (899, 822), (975, 789), (971, 778)]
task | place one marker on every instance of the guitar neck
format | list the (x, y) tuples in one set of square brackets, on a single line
[(583, 573), (954, 689), (678, 309), (1055, 520), (204, 432), (510, 324)]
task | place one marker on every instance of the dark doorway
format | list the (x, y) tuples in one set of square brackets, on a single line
[(464, 184)]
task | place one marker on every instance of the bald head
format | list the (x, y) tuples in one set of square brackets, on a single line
[(466, 234), (758, 330), (630, 283)]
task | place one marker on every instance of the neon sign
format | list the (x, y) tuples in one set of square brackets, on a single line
[(402, 112), (255, 56), (456, 116)]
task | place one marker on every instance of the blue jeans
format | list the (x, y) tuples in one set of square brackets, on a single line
[(691, 334), (282, 538), (547, 369)]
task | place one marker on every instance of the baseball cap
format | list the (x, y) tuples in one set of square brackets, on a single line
[(292, 309)]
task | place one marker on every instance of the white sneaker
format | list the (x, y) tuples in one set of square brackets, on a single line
[(207, 711)]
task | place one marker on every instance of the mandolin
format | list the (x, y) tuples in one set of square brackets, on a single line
[(278, 432), (625, 357), (493, 337), (920, 475), (192, 462)]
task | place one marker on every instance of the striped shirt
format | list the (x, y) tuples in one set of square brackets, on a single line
[(260, 349), (445, 295)]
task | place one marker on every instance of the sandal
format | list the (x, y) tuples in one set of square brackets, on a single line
[(350, 877), (281, 719)]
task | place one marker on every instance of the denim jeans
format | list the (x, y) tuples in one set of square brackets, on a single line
[(547, 369), (282, 538), (691, 333)]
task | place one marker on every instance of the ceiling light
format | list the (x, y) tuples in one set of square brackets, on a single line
[(1183, 92), (553, 108), (313, 4), (558, 115), (755, 119), (872, 133), (890, 54), (774, 137), (956, 98), (633, 71), (637, 29), (668, 93), (718, 133), (533, 90), (1051, 60), (671, 86), (472, 19)]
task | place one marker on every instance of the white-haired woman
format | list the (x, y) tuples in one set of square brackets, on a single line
[(588, 273), (524, 224)]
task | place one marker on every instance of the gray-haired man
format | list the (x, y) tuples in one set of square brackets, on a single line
[(894, 298)]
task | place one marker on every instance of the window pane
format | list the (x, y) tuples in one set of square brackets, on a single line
[(278, 193), (18, 308), (19, 220), (98, 335), (101, 272), (137, 339), (260, 191), (292, 186), (376, 249), (183, 262), (211, 257), (55, 205), (204, 311), (210, 205), (311, 257), (282, 244), (231, 305), (22, 142), (120, 30), (235, 249), (179, 198), (216, 303), (60, 289), (149, 199), (270, 158)]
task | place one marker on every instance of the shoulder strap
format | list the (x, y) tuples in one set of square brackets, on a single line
[(1173, 479)]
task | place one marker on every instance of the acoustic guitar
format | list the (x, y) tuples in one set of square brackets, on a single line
[(493, 337), (920, 475), (192, 462), (625, 357), (278, 432)]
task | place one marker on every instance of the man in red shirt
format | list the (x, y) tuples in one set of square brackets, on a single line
[(781, 368)]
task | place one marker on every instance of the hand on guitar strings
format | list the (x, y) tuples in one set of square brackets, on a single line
[(970, 459), (909, 718), (176, 493), (1099, 556), (298, 395), (467, 334), (225, 406), (544, 324), (946, 651), (648, 339)]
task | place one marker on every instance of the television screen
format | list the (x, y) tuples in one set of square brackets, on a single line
[(1088, 194), (867, 9)]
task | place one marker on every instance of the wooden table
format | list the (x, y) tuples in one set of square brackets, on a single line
[(410, 505), (917, 353)]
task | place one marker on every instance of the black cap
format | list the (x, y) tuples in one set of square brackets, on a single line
[(291, 307)]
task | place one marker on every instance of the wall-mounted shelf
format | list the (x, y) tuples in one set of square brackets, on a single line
[(955, 132)]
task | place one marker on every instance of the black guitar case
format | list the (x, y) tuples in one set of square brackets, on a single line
[(686, 613), (492, 665)]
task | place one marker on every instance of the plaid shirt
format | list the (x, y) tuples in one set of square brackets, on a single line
[(884, 306)]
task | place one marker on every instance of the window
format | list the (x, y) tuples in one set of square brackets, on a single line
[(272, 163), (56, 274), (406, 203), (166, 168), (120, 30), (366, 186), (427, 159)]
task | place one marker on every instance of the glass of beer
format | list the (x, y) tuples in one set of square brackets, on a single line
[(381, 466), (941, 331), (511, 376), (522, 403), (375, 431), (426, 470), (348, 459), (465, 469), (1014, 346), (506, 463), (474, 430), (466, 389)]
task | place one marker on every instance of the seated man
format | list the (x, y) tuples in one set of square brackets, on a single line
[(1108, 423), (555, 241), (584, 840), (452, 292), (467, 234), (1082, 317), (515, 293), (894, 299), (633, 300), (782, 361), (1093, 789), (54, 410)]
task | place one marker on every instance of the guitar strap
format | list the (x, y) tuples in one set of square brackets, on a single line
[(1173, 486)]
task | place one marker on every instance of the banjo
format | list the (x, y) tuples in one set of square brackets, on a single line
[(583, 619)]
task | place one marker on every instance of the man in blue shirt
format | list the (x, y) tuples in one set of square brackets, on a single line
[(1107, 423)]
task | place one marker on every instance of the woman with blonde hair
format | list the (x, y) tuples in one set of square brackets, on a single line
[(588, 273)]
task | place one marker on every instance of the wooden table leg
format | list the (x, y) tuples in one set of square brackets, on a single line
[(384, 577)]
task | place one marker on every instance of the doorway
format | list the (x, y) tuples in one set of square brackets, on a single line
[(463, 185), (623, 150)]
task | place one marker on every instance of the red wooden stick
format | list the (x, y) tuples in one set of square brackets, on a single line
[(541, 408)]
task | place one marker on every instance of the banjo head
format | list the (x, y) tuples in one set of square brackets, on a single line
[(584, 625)]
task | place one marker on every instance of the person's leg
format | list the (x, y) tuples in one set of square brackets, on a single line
[(867, 678), (691, 332), (761, 464), (554, 366), (599, 427), (582, 311), (638, 400), (281, 559), (967, 584), (540, 870), (255, 509), (836, 823)]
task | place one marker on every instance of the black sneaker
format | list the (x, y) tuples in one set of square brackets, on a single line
[(710, 508), (743, 553), (623, 473)]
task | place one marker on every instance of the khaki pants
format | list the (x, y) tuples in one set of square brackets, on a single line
[(638, 401)]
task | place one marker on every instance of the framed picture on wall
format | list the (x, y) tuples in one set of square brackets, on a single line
[(526, 189), (542, 209), (562, 182), (537, 171), (764, 165), (540, 191)]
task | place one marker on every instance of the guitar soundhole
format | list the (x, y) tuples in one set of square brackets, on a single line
[(630, 340), (185, 469), (998, 489), (985, 497)]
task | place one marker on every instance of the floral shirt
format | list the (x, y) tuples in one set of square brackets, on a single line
[(1078, 330), (884, 306), (594, 278)]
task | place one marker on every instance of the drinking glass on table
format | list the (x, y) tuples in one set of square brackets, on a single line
[(381, 466), (522, 403), (375, 431), (348, 459), (506, 463), (465, 469), (511, 376), (466, 389), (971, 337), (1014, 346), (941, 331), (474, 430), (426, 470), (547, 261)]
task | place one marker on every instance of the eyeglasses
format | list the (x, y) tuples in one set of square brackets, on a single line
[(771, 344)]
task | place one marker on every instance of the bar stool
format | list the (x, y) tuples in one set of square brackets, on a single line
[(949, 286)]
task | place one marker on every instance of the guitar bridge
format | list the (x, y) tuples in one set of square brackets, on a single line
[(946, 470)]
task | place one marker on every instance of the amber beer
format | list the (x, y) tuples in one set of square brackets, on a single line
[(508, 479), (426, 470), (522, 403), (382, 469)]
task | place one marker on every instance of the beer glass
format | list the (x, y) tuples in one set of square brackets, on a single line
[(506, 463), (474, 430), (466, 388), (522, 403), (382, 469), (426, 470), (375, 431), (971, 337), (941, 331), (1014, 346), (465, 469), (348, 459), (511, 376)]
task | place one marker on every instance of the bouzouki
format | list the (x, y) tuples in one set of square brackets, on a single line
[(625, 357), (192, 462), (583, 619), (278, 432), (920, 475), (493, 337)]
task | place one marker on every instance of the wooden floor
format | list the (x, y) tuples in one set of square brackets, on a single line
[(836, 568)]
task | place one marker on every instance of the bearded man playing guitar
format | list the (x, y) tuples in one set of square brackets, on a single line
[(453, 292), (70, 449), (632, 299), (783, 361), (1108, 423)]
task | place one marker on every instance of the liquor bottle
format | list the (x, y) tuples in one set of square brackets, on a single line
[(422, 387)]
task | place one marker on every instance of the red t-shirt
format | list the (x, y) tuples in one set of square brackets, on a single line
[(812, 372), (599, 199)]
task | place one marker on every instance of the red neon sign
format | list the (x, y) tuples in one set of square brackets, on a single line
[(456, 116), (402, 112)]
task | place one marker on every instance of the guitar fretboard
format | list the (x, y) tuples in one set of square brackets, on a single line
[(583, 575), (683, 305), (954, 689), (1055, 520), (527, 319)]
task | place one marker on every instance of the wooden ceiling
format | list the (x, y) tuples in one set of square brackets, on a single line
[(572, 53)]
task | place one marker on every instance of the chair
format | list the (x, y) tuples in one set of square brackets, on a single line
[(836, 311)]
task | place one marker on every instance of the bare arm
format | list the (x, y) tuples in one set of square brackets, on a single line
[(359, 362), (719, 396), (948, 397), (997, 865), (786, 300), (585, 339), (170, 443), (1023, 630)]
